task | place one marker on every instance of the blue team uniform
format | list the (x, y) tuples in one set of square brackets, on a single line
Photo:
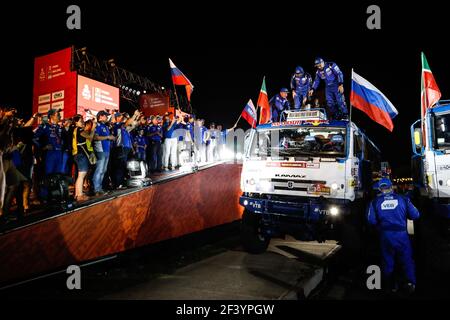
[(51, 134), (278, 104), (333, 78), (301, 84), (389, 212)]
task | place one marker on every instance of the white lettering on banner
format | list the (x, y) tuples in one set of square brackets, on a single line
[(58, 105), (58, 95), (44, 108), (389, 204), (45, 98)]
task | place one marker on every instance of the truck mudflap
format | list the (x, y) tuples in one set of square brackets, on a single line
[(310, 210)]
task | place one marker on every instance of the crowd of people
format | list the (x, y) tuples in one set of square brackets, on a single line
[(93, 153)]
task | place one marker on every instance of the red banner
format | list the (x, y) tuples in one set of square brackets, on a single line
[(154, 104), (55, 84), (94, 96)]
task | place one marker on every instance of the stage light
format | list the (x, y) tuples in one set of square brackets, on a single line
[(134, 91), (162, 88), (145, 91), (138, 93), (130, 89)]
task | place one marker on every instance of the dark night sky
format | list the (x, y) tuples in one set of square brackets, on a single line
[(225, 49)]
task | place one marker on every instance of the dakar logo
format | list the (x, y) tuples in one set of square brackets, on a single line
[(42, 75), (86, 93)]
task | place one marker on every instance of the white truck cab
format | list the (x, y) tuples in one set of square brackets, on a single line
[(301, 174)]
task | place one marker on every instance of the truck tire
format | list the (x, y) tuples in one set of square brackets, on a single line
[(252, 239)]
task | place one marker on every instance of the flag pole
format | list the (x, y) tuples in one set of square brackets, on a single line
[(238, 120), (351, 105), (176, 96)]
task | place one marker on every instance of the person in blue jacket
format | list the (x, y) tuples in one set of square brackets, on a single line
[(389, 213), (278, 104), (300, 85), (330, 73), (49, 138)]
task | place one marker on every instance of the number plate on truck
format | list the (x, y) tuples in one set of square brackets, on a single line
[(318, 189)]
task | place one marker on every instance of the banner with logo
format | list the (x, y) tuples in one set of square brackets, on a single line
[(94, 96), (54, 84)]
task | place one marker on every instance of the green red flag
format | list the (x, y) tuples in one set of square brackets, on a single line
[(263, 103), (430, 93)]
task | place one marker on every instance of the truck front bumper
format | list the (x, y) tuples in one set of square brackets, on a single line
[(307, 209)]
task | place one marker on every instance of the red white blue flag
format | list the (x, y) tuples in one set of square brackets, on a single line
[(367, 98), (179, 79), (249, 113)]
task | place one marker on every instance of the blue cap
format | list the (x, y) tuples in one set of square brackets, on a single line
[(318, 60), (299, 69), (102, 113), (52, 112), (284, 90), (384, 183)]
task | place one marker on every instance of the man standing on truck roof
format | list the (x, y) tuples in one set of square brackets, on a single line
[(278, 104), (330, 73), (389, 213), (300, 85)]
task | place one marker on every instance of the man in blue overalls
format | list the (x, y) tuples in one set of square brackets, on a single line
[(300, 85), (389, 213), (51, 135), (330, 73), (278, 104)]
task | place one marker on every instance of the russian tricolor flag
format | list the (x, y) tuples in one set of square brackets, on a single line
[(179, 79), (367, 98), (249, 113)]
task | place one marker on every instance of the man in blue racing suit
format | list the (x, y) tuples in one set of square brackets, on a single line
[(330, 73), (278, 104), (389, 213), (300, 85)]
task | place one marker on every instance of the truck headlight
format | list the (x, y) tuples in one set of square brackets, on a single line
[(334, 186), (334, 211), (448, 183)]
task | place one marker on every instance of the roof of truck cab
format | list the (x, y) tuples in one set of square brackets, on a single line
[(303, 123)]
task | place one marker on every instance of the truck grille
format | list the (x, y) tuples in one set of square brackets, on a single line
[(299, 181)]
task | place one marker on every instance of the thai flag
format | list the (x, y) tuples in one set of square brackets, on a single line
[(367, 98), (179, 79), (249, 113)]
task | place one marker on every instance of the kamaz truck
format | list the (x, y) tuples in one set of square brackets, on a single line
[(304, 177), (431, 175)]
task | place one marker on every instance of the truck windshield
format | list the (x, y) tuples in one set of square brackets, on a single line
[(293, 142), (442, 131)]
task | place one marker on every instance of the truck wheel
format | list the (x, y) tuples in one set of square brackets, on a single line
[(252, 239)]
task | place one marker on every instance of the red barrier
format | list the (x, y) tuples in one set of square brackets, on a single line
[(163, 211)]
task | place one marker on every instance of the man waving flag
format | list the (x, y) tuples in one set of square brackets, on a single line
[(179, 79), (367, 98)]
